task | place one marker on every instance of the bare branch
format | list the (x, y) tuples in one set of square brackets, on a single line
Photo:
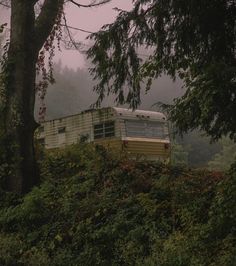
[(72, 42), (74, 28), (90, 5), (5, 4)]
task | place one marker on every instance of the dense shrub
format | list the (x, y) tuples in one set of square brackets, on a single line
[(95, 207)]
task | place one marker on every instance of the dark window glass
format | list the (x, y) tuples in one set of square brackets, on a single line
[(61, 130), (104, 130)]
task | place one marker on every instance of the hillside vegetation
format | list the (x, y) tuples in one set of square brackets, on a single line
[(94, 207)]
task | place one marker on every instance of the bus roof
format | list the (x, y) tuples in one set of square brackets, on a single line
[(120, 112), (129, 114)]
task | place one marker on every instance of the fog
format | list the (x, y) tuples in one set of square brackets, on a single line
[(73, 93), (90, 19)]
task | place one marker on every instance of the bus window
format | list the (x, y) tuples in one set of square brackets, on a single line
[(104, 130), (144, 129)]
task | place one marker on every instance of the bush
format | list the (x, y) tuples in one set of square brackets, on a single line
[(95, 207)]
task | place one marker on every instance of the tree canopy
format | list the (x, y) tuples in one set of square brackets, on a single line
[(194, 40)]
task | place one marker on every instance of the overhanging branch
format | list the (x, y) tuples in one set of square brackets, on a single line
[(90, 5), (75, 28), (5, 5), (69, 34)]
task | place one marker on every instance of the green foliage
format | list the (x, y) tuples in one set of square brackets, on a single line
[(95, 207), (193, 40), (8, 157)]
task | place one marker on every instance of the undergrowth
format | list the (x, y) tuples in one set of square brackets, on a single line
[(94, 207)]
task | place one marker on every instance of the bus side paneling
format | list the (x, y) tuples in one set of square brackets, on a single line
[(149, 148)]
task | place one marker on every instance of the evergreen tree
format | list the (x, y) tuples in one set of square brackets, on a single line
[(194, 40)]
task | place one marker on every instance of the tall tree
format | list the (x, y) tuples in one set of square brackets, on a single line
[(32, 27), (26, 39), (194, 40)]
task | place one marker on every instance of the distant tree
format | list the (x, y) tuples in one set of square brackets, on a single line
[(71, 93), (200, 150), (225, 158), (194, 40), (34, 25), (179, 156)]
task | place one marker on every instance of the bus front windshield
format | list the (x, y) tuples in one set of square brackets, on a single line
[(146, 129)]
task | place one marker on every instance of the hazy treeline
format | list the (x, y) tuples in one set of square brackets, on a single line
[(73, 92)]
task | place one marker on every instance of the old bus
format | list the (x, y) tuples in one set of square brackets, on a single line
[(138, 133)]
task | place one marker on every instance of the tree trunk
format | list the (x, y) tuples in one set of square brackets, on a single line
[(19, 123), (17, 98)]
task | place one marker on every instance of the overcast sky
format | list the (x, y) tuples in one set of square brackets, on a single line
[(90, 19)]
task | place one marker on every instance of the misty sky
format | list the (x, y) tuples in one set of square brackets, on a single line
[(90, 19)]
